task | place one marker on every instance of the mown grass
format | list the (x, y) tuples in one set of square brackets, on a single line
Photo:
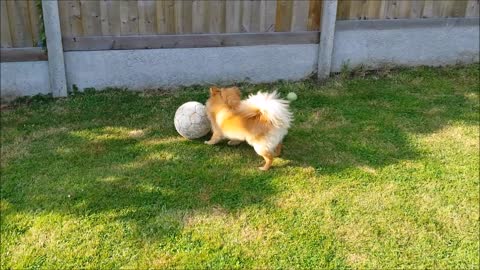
[(380, 171)]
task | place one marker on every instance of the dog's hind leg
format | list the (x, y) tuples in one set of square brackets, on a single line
[(268, 157), (264, 152), (278, 150)]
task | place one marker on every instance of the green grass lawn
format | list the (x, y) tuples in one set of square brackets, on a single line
[(378, 171)]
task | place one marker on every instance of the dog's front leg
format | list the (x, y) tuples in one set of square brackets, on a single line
[(216, 138)]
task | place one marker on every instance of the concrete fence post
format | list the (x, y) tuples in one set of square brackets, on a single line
[(327, 34), (56, 63)]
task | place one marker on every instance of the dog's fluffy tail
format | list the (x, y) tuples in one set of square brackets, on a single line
[(271, 107)]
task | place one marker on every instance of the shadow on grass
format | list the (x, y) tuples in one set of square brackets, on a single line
[(96, 167), (370, 123), (103, 170)]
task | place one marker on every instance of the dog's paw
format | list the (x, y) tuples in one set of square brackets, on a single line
[(263, 168)]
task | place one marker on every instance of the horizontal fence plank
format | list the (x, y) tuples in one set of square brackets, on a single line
[(187, 41), (22, 54)]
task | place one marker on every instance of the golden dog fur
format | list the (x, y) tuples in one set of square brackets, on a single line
[(262, 120)]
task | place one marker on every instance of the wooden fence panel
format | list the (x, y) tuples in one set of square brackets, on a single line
[(283, 16), (79, 18), (299, 21), (70, 18), (429, 9), (34, 15), (246, 12), (178, 17), (169, 13), (373, 10), (357, 9), (458, 9), (314, 13), (160, 17), (473, 8), (405, 9), (90, 11), (20, 27), (64, 13), (232, 16), (110, 17), (216, 16), (187, 16), (257, 8), (129, 17), (395, 9), (183, 16), (19, 24), (343, 10), (416, 8), (137, 17), (147, 17), (199, 16), (269, 14), (6, 38)]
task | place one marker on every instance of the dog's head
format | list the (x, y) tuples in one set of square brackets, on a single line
[(229, 96)]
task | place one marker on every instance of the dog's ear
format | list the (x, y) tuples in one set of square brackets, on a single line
[(231, 96), (214, 90)]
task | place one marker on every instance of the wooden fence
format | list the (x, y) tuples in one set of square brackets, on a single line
[(112, 17), (81, 18), (405, 9), (20, 22), (146, 17)]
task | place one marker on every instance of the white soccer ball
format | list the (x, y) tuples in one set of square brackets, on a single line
[(191, 120)]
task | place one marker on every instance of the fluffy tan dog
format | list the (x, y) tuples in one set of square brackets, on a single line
[(262, 120)]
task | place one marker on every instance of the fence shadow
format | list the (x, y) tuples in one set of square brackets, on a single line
[(371, 123), (137, 180)]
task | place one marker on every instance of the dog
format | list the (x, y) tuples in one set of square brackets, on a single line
[(262, 120)]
